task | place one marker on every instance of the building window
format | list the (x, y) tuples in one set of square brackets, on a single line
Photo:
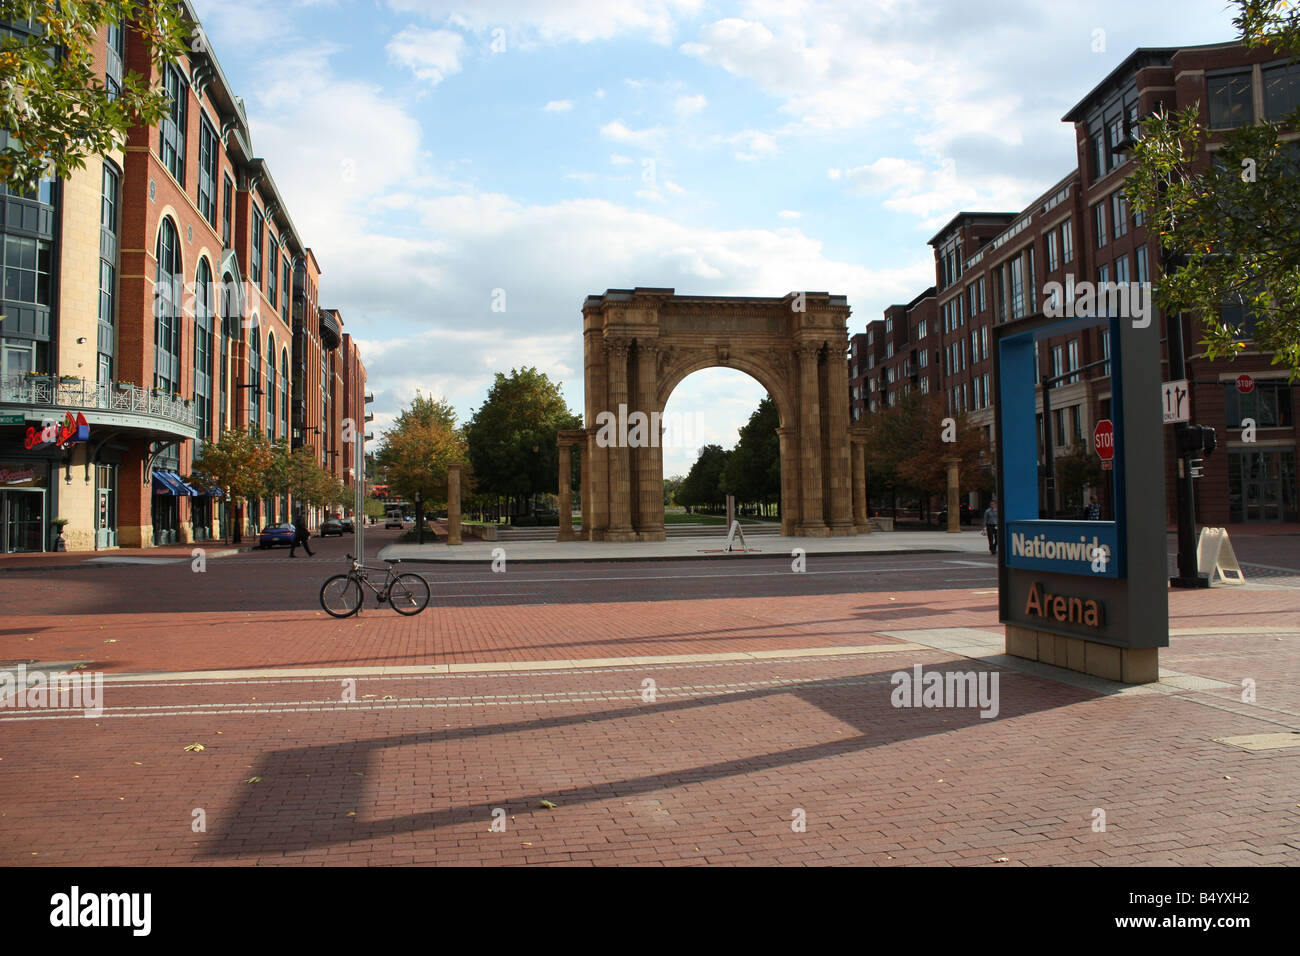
[(1269, 405), (172, 127), (889, 350), (1116, 133), (922, 329), (971, 300), (167, 310), (272, 393), (981, 288), (1017, 288), (1099, 220), (1105, 351), (286, 283), (1076, 424), (272, 270), (984, 342), (1143, 275), (1230, 100), (1281, 90), (203, 296), (254, 374), (227, 201), (1121, 270), (207, 171), (27, 270), (923, 359), (255, 270), (1072, 349), (1052, 261), (230, 323), (1067, 242), (1058, 359), (1119, 214), (115, 48), (284, 391)]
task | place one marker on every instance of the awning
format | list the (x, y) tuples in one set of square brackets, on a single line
[(169, 483), (205, 490)]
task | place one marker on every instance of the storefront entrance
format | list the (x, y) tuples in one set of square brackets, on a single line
[(106, 506), (22, 520), (1262, 486)]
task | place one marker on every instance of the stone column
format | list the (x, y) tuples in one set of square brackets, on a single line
[(787, 435), (585, 488), (860, 519), (838, 459), (649, 460), (595, 466), (453, 503), (566, 492), (620, 485), (954, 497), (811, 521)]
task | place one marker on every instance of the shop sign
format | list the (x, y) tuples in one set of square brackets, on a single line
[(60, 434)]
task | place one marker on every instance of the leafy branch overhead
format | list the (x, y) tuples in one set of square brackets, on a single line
[(57, 107), (1229, 227)]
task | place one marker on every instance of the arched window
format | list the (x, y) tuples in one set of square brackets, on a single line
[(229, 336), (203, 350), (167, 311), (284, 391), (270, 386), (254, 372)]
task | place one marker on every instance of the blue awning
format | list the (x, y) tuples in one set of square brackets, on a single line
[(169, 483)]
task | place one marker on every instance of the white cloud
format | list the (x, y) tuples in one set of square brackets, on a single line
[(618, 159), (620, 133), (789, 214), (558, 106), (432, 55), (686, 105), (528, 21), (753, 144)]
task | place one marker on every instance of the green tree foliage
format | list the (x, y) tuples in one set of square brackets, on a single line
[(512, 435), (1077, 471), (422, 441), (238, 463), (297, 473), (55, 103), (704, 486), (753, 469), (1230, 228), (906, 450), (671, 487)]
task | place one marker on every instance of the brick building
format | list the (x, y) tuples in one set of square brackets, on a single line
[(992, 268), (160, 296)]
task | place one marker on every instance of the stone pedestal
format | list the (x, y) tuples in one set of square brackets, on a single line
[(1128, 665), (954, 497)]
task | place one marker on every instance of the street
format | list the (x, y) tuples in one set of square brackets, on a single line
[(672, 712)]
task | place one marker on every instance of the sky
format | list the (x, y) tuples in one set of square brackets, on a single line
[(466, 173)]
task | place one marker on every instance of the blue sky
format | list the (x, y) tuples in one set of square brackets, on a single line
[(434, 152)]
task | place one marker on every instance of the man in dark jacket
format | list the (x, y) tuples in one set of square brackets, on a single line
[(300, 534), (991, 525)]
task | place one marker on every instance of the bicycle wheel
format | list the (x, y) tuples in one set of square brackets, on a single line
[(409, 594), (341, 596)]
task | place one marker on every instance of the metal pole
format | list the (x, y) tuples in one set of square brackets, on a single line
[(358, 492), (1189, 575)]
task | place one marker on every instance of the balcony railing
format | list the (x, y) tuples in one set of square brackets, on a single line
[(52, 391)]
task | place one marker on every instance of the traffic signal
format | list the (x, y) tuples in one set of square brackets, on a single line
[(1196, 440)]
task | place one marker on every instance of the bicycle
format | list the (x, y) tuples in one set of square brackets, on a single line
[(342, 596)]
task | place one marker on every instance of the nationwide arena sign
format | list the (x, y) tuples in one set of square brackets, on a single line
[(1104, 581)]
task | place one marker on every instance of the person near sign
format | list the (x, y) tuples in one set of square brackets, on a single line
[(991, 525)]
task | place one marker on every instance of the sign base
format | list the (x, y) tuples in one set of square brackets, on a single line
[(1129, 665)]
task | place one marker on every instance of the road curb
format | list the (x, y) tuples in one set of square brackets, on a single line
[(721, 555), (132, 553)]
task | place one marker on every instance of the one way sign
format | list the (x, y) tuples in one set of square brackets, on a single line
[(1175, 403)]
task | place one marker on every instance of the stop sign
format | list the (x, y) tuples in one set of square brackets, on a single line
[(1103, 439), (1245, 384)]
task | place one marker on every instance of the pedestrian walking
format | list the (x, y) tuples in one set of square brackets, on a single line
[(301, 535), (991, 525)]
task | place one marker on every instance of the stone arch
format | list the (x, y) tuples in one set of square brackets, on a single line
[(638, 346)]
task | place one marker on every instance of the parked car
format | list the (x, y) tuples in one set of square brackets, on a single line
[(393, 521), (273, 534), (332, 526), (346, 525)]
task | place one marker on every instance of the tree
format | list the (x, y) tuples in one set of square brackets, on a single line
[(671, 487), (297, 473), (417, 449), (753, 470), (1076, 471), (237, 463), (704, 483), (512, 435), (1229, 227), (58, 107), (907, 450)]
